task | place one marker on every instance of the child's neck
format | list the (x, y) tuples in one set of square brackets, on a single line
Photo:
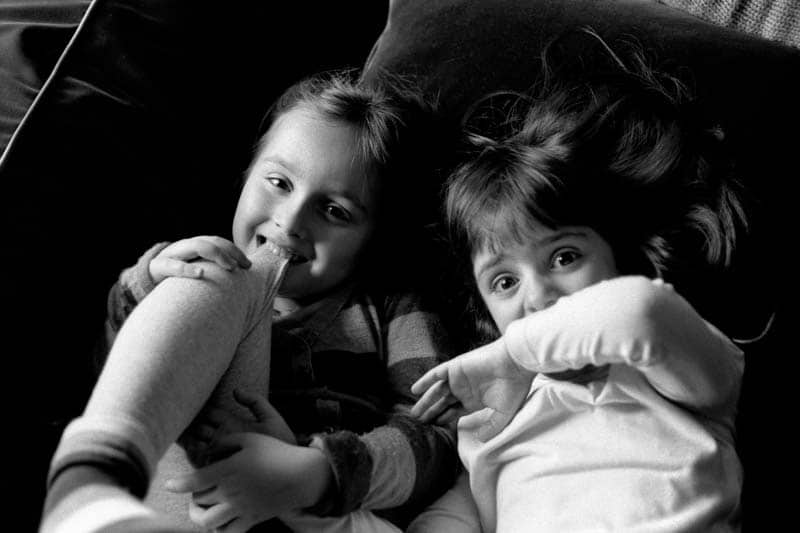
[(285, 306)]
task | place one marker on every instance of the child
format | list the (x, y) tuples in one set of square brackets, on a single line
[(305, 321), (604, 402)]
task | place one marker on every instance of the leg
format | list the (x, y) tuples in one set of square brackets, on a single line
[(188, 342)]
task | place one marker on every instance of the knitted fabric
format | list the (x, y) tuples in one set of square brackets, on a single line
[(777, 20)]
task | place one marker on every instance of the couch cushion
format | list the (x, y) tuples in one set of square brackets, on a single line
[(33, 36)]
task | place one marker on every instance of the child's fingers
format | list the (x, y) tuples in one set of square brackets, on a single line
[(196, 481), (212, 517), (231, 250), (256, 404), (209, 247), (205, 498), (452, 414), (209, 250), (438, 408), (224, 447), (167, 267), (433, 402), (269, 421), (438, 373), (237, 525)]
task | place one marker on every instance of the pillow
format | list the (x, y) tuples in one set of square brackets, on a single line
[(461, 50), (32, 37)]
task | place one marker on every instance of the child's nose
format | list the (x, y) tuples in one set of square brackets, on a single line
[(289, 217), (540, 295)]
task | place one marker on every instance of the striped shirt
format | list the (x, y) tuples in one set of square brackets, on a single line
[(341, 372)]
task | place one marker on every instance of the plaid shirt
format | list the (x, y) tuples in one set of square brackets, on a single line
[(341, 372)]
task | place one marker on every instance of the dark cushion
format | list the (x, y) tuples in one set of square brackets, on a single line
[(460, 50), (33, 35)]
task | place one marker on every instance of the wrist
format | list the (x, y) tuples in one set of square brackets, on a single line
[(319, 483), (503, 356)]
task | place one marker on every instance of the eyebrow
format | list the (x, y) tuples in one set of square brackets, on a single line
[(353, 199), (550, 239), (280, 162)]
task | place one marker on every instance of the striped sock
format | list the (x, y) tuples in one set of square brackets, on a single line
[(97, 480)]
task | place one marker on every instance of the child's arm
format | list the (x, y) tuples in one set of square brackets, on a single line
[(405, 464), (637, 322), (633, 321), (260, 477), (402, 466)]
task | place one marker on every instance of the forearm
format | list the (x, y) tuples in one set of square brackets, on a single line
[(404, 463), (636, 322)]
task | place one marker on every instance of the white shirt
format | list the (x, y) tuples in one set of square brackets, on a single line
[(641, 442)]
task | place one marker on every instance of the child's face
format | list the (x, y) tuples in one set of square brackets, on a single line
[(524, 278), (307, 194)]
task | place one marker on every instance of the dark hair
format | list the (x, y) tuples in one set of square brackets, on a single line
[(624, 152), (395, 130)]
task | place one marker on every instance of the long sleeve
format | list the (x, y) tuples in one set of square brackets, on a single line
[(403, 465), (637, 322), (133, 285)]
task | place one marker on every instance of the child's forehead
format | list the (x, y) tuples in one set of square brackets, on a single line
[(533, 236), (495, 229), (292, 143)]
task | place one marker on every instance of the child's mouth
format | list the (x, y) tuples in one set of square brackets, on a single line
[(281, 251)]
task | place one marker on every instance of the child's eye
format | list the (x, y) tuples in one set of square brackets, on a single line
[(503, 283), (337, 213), (564, 258), (280, 183)]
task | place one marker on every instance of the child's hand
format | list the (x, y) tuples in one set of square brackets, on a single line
[(484, 377), (175, 259), (261, 477), (268, 421), (212, 424)]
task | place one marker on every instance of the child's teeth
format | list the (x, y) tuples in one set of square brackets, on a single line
[(280, 251)]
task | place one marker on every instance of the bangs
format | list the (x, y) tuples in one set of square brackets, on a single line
[(493, 228), (502, 196)]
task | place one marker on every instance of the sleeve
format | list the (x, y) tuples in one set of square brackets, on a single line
[(638, 322), (133, 285), (404, 465)]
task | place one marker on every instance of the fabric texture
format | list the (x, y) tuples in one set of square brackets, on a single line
[(778, 20), (640, 439), (340, 374)]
